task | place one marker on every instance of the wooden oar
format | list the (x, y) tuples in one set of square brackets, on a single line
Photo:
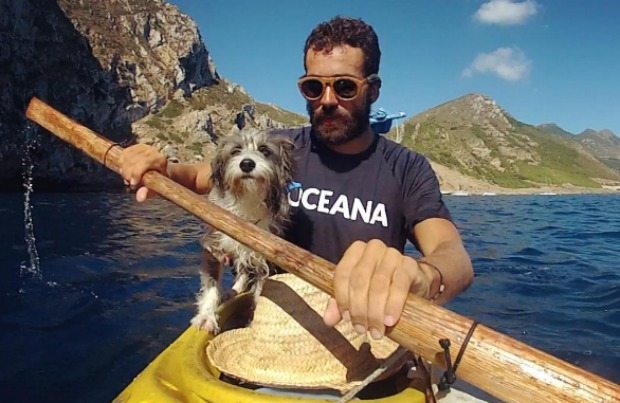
[(495, 363)]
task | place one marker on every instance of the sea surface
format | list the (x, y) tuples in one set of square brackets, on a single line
[(93, 285)]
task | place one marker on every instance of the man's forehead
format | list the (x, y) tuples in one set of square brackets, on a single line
[(337, 50), (342, 59)]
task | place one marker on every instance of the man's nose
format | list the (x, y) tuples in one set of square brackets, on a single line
[(329, 97)]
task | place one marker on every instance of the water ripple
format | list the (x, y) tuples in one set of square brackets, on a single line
[(118, 284), (546, 273)]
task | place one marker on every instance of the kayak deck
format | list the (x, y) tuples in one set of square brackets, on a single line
[(182, 372)]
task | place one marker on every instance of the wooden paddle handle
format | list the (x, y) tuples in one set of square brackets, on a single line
[(495, 363)]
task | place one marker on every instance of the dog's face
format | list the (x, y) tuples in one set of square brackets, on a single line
[(253, 161)]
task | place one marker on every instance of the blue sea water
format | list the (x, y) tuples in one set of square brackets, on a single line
[(112, 283)]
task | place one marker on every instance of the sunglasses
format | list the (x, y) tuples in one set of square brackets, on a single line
[(345, 87)]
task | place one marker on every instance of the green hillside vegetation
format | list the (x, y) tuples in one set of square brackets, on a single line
[(223, 102), (612, 162), (560, 162), (451, 148), (603, 144), (473, 136), (229, 97), (289, 119), (235, 100)]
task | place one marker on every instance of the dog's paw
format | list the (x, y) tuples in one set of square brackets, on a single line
[(206, 321)]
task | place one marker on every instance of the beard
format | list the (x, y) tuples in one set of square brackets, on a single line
[(337, 126)]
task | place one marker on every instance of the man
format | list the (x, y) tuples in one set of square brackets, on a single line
[(360, 196)]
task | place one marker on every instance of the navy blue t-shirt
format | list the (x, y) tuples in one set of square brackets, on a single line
[(381, 193)]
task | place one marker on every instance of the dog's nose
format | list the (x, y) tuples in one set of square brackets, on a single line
[(247, 165)]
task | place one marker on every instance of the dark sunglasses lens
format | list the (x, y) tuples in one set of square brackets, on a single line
[(312, 88), (345, 88)]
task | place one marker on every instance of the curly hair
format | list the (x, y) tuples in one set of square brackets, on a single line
[(346, 31)]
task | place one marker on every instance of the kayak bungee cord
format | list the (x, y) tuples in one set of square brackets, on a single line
[(449, 376), (393, 359)]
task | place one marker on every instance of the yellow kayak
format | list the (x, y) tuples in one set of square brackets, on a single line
[(182, 373)]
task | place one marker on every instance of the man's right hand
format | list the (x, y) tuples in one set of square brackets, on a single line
[(135, 162)]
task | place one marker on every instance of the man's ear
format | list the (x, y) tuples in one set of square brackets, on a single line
[(375, 89)]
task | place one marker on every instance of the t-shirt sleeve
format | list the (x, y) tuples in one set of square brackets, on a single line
[(422, 195)]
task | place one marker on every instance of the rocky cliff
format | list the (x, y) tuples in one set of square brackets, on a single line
[(150, 47), (109, 64), (104, 63)]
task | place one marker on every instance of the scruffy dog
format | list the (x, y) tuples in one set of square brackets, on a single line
[(251, 172)]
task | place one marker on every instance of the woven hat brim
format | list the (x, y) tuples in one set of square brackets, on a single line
[(287, 344)]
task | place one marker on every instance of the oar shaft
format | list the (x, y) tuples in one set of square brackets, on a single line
[(498, 364)]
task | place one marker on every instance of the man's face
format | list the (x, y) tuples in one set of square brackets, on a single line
[(337, 121)]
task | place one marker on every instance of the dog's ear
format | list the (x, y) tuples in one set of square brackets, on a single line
[(274, 200), (217, 171), (287, 161), (286, 149), (278, 196)]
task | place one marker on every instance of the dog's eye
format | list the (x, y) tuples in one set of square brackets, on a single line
[(235, 151), (266, 151)]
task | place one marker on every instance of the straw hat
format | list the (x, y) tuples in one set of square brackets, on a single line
[(287, 344)]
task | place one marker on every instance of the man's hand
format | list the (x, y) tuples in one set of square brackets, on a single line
[(371, 284), (135, 162)]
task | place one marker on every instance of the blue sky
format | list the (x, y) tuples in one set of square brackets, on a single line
[(542, 61)]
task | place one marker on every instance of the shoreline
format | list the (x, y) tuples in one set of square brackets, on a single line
[(454, 183), (530, 192)]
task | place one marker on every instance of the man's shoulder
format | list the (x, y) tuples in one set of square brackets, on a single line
[(299, 135), (397, 154)]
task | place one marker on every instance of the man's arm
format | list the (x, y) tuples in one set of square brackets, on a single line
[(442, 247), (193, 176), (140, 158), (372, 281)]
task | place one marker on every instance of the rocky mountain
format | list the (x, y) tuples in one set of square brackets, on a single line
[(475, 136), (110, 64), (187, 128), (553, 128), (604, 144), (138, 70)]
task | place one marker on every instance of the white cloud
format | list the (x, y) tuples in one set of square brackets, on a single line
[(510, 64), (506, 12)]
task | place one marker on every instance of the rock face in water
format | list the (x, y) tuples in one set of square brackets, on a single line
[(105, 63)]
